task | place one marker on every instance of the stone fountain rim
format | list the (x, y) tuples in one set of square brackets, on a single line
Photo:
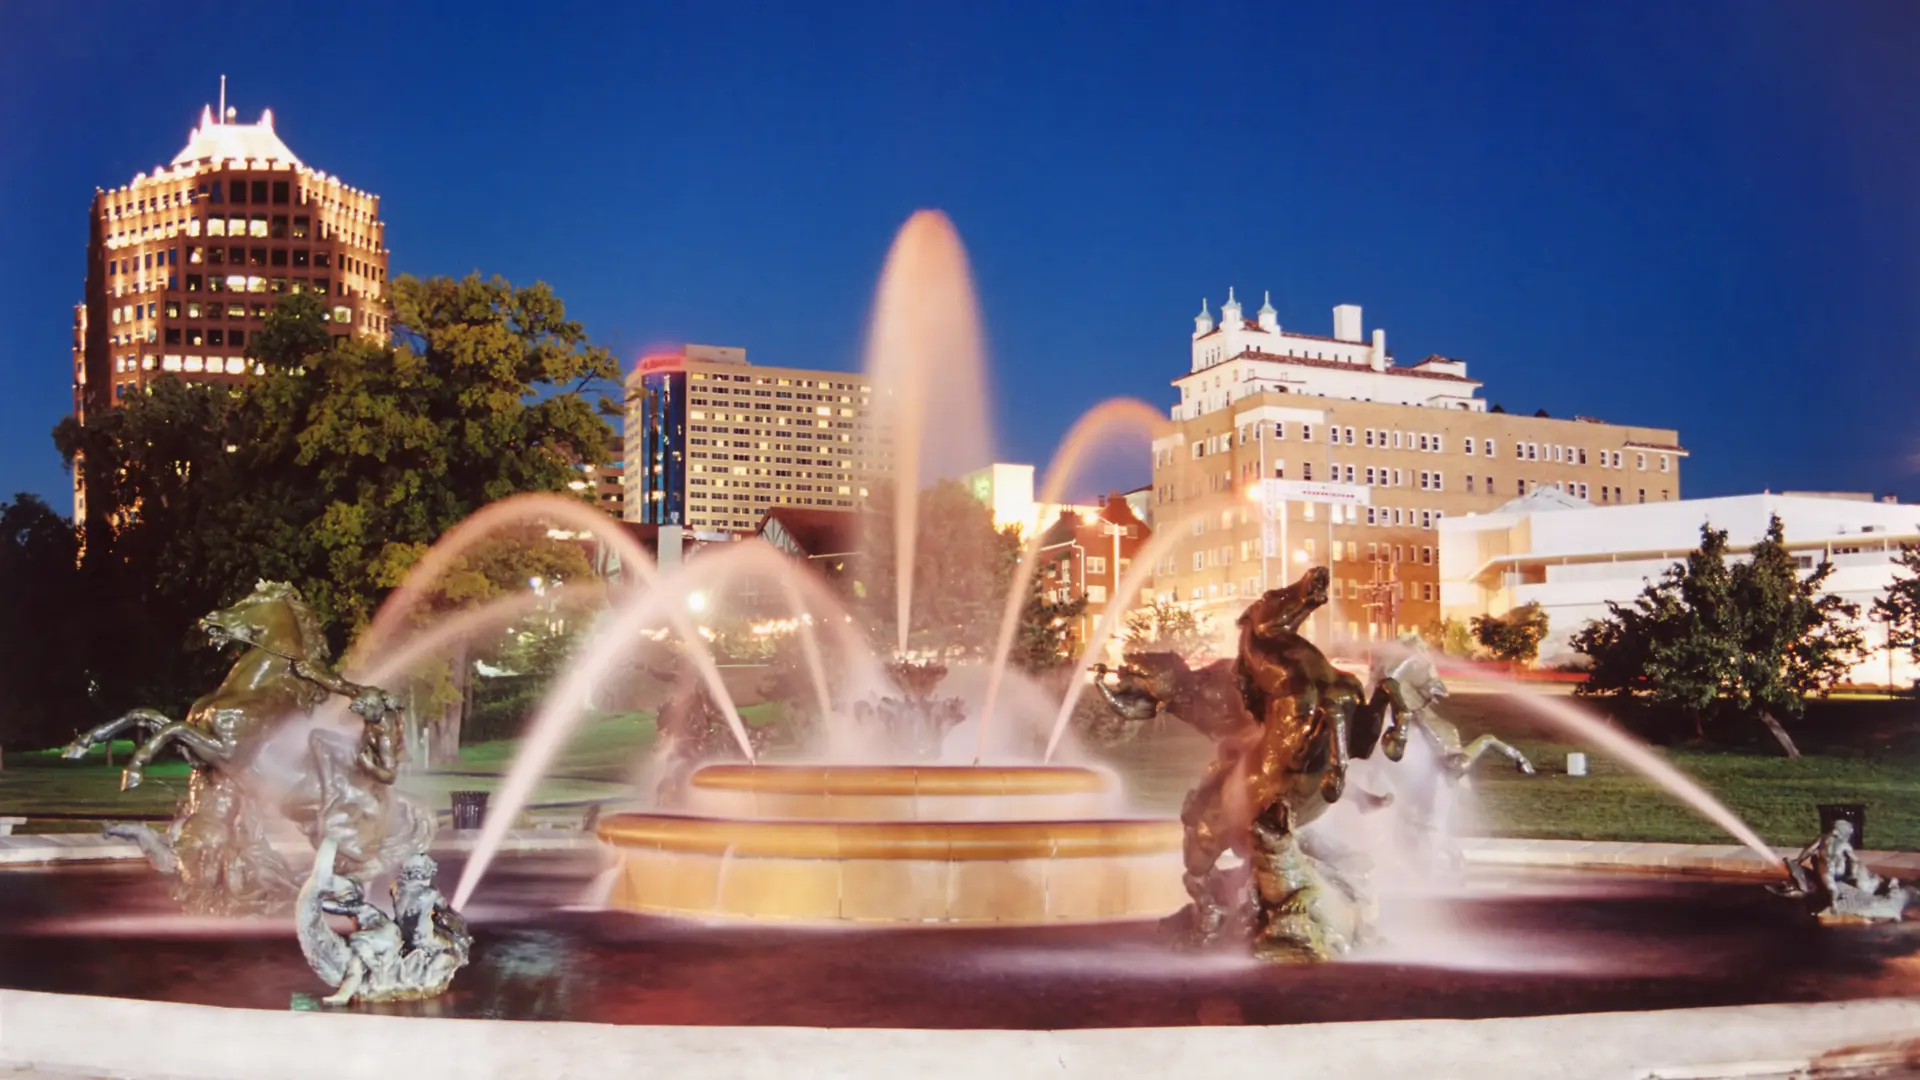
[(936, 841), (937, 780)]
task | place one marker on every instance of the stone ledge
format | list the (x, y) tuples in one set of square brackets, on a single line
[(1731, 860), (152, 1040)]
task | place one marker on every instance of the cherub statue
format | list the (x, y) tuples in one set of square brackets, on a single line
[(412, 953)]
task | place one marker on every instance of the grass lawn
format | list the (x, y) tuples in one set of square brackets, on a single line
[(606, 750), (1857, 750)]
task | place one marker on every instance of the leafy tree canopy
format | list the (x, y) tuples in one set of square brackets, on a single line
[(340, 462), (1514, 637), (1743, 639)]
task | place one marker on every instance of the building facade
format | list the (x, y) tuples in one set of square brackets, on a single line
[(184, 262), (713, 442), (1086, 554), (1572, 558), (1396, 450)]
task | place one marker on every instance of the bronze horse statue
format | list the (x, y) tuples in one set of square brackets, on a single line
[(1286, 723), (257, 755)]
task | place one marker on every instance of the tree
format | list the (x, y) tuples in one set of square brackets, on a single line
[(43, 655), (1449, 636), (1164, 626), (1747, 640), (961, 570), (335, 467), (1899, 607), (158, 546), (1514, 637), (487, 391)]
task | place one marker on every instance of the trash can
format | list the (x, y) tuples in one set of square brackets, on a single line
[(1852, 811), (469, 809)]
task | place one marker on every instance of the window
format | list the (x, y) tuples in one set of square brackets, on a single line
[(1199, 560), (1489, 447), (1349, 436), (301, 227), (1469, 483), (1096, 564), (1426, 558), (1306, 473), (1426, 590), (258, 192), (1279, 429), (1519, 487), (1643, 494), (1469, 447), (1640, 462), (1665, 463), (1306, 435), (281, 196), (1096, 594)]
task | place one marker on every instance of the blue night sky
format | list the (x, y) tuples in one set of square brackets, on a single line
[(1698, 215)]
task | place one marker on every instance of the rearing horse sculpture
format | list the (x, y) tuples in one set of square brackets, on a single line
[(256, 757), (1281, 760)]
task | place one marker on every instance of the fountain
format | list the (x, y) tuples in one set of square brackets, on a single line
[(939, 795)]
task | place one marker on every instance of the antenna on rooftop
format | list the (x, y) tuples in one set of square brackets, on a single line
[(223, 99)]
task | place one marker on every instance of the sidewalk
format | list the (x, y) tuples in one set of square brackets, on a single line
[(50, 848), (1731, 860)]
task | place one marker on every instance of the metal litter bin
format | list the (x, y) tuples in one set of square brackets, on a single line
[(469, 809), (1851, 811)]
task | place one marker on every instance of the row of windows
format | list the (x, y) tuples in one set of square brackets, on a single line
[(232, 365), (763, 380), (1422, 442), (844, 399)]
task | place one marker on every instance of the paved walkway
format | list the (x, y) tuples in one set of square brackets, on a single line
[(46, 849)]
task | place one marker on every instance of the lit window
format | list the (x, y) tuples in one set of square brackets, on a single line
[(1096, 594)]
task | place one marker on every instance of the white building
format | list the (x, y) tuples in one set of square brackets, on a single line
[(1571, 557), (1239, 357), (1007, 489)]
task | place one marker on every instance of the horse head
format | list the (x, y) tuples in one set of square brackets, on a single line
[(1409, 663), (274, 617), (1286, 608)]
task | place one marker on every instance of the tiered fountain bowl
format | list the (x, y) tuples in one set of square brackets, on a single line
[(962, 845)]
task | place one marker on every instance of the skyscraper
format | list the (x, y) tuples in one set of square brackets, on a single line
[(184, 261), (713, 442)]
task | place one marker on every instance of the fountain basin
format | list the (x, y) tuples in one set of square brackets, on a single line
[(896, 844), (902, 792)]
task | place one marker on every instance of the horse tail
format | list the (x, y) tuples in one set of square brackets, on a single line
[(325, 950)]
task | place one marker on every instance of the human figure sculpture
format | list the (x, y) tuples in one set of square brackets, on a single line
[(1837, 886), (412, 953), (341, 783)]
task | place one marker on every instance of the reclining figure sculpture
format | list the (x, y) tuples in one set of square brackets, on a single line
[(1837, 887)]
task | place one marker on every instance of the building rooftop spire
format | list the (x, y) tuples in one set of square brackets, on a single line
[(1266, 303)]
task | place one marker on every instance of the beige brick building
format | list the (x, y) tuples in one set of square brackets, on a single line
[(714, 442), (1395, 449)]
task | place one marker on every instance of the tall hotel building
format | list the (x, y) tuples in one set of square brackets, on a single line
[(1392, 449), (184, 262), (714, 442)]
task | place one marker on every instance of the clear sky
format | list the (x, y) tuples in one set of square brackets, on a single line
[(1701, 215)]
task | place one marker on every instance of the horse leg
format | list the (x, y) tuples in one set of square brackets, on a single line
[(151, 718), (210, 750), (1485, 743)]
